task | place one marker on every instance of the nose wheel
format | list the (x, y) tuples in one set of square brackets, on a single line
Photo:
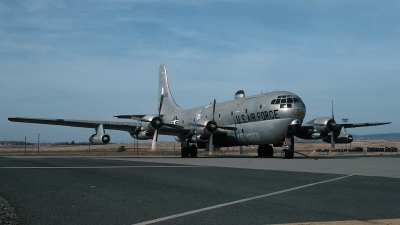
[(287, 154), (288, 151)]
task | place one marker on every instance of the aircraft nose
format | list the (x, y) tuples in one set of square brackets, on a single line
[(299, 110)]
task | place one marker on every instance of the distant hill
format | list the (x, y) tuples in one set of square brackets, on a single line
[(391, 136)]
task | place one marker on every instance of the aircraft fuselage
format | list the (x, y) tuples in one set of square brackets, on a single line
[(259, 119)]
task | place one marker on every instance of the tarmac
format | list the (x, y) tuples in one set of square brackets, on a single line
[(203, 190)]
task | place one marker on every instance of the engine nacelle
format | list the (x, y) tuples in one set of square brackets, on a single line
[(206, 130), (341, 139), (142, 135), (324, 125), (100, 139), (203, 131), (150, 127)]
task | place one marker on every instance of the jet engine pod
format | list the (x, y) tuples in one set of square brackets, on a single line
[(344, 138), (324, 125), (100, 139), (341, 139)]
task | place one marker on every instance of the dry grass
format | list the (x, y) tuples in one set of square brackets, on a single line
[(173, 148)]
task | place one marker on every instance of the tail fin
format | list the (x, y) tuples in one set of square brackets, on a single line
[(169, 104)]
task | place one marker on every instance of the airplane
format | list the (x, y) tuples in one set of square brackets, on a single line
[(268, 120)]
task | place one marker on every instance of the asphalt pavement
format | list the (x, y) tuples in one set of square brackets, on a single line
[(204, 190)]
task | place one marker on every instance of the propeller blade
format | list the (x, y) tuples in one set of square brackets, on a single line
[(332, 132), (211, 144), (154, 142), (215, 102), (159, 108)]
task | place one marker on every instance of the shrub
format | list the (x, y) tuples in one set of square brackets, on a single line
[(121, 149)]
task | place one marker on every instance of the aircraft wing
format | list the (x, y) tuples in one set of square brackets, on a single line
[(123, 126), (352, 125)]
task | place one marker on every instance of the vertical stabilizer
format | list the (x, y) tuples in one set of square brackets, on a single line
[(168, 104)]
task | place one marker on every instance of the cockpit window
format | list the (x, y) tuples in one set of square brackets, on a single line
[(297, 100), (286, 101)]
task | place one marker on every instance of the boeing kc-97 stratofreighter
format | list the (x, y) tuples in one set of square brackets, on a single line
[(268, 120)]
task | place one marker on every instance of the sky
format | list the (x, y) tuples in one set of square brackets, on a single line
[(94, 59)]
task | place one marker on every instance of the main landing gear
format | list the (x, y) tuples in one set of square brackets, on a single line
[(188, 150), (265, 151)]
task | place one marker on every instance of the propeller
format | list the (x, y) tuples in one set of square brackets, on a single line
[(212, 127), (333, 127), (156, 122)]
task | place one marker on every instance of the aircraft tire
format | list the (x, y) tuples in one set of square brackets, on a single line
[(284, 154), (287, 154), (269, 151), (265, 151), (185, 152), (193, 150), (290, 154), (261, 151)]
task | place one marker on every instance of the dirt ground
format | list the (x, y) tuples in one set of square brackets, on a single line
[(173, 148)]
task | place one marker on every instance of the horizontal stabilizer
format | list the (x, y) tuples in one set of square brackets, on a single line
[(129, 116)]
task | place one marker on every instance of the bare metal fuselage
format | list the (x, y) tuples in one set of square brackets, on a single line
[(257, 120)]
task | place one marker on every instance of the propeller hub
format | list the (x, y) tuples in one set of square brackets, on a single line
[(157, 122), (211, 127)]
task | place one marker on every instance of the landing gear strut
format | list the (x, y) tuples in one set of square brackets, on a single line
[(288, 152)]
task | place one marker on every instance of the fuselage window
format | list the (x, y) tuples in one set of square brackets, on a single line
[(231, 113), (260, 106), (246, 110), (183, 121)]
